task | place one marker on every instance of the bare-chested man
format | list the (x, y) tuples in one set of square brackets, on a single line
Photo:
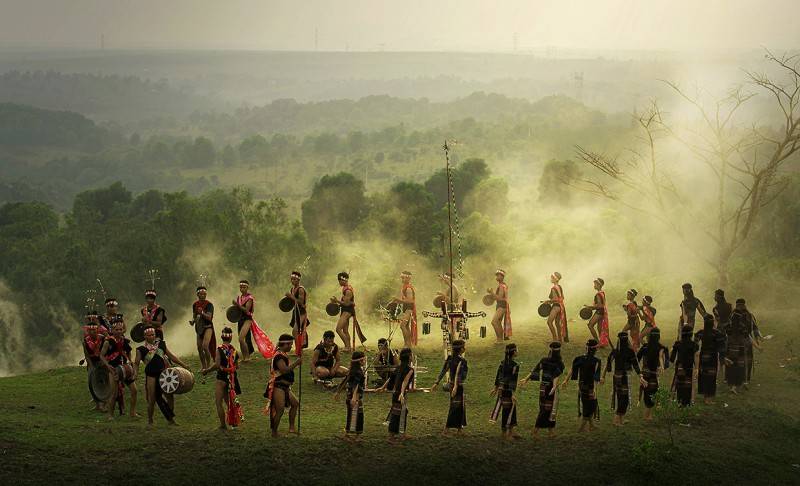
[(347, 305), (501, 322), (203, 321), (408, 319)]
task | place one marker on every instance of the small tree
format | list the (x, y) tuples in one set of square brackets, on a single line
[(669, 413)]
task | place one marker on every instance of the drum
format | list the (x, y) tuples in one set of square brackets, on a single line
[(544, 309), (483, 331), (286, 304), (125, 372), (426, 328), (438, 301), (176, 380), (394, 309), (586, 313), (137, 333), (233, 313), (488, 299), (332, 309), (100, 384)]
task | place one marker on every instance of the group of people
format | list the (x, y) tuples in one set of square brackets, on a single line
[(725, 341)]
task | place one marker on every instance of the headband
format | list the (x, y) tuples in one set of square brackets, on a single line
[(500, 272)]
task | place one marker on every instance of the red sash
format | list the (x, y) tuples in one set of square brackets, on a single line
[(241, 300), (414, 331), (93, 345), (234, 415), (151, 314), (604, 321), (507, 319)]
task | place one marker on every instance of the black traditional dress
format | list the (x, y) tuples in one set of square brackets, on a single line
[(738, 340), (650, 355), (624, 360), (398, 414), (683, 354), (506, 382), (356, 384), (586, 369), (456, 369), (712, 351), (546, 372)]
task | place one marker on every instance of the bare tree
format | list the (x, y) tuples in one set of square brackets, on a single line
[(744, 162)]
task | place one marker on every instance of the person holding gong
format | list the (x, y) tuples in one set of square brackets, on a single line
[(347, 305), (245, 302), (299, 299)]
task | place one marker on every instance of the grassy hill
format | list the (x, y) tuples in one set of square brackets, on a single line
[(47, 431)]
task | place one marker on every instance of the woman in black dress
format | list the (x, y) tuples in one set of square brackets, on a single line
[(654, 358), (403, 380), (505, 385), (547, 371), (356, 384), (226, 386), (456, 368), (684, 355), (712, 351), (156, 358)]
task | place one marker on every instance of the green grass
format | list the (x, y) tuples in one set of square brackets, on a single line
[(47, 433)]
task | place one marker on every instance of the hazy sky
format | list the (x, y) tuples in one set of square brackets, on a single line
[(402, 25)]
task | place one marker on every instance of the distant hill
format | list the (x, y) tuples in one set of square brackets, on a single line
[(22, 125)]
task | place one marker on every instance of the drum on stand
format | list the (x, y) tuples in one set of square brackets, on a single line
[(100, 384), (233, 313), (586, 313), (286, 304), (125, 372), (544, 309), (137, 333), (176, 380), (332, 309)]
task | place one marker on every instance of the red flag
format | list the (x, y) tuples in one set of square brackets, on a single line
[(264, 345)]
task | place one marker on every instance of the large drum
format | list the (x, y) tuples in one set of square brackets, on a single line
[(544, 309), (234, 313), (488, 299), (332, 309), (176, 380), (137, 333), (586, 313), (100, 384), (286, 304), (125, 372)]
